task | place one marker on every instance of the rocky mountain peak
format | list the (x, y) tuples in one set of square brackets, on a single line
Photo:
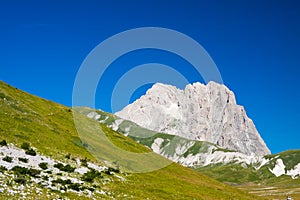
[(199, 112)]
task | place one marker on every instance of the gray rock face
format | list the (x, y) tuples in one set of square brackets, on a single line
[(199, 112)]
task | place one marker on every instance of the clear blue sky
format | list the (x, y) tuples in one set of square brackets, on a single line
[(255, 45)]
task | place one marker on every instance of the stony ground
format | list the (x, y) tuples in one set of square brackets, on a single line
[(26, 174)]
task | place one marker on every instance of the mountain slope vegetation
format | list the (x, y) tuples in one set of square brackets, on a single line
[(49, 127), (279, 173)]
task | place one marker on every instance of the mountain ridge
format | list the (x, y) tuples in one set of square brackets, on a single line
[(193, 153), (257, 174), (272, 175), (199, 112)]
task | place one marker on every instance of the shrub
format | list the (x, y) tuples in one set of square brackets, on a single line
[(33, 172), (62, 182), (7, 159), (24, 160), (9, 183), (68, 168), (68, 181), (2, 168), (110, 170), (91, 175), (84, 162), (3, 143), (68, 156), (58, 180), (20, 179), (30, 152), (43, 165), (20, 170), (25, 146), (45, 178), (58, 166), (74, 186), (63, 188)]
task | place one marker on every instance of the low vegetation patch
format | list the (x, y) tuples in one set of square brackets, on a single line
[(223, 150), (25, 171), (7, 159), (43, 165), (62, 182), (110, 170), (68, 156), (3, 169), (21, 179), (3, 143), (24, 160), (30, 152), (84, 162), (25, 146), (28, 149), (91, 175), (65, 168)]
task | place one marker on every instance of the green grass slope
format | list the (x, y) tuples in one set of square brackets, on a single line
[(247, 177), (260, 182), (237, 174), (147, 137), (49, 127)]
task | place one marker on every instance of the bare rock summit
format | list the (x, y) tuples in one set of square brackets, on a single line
[(199, 112)]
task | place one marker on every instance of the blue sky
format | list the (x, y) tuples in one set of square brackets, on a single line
[(255, 45)]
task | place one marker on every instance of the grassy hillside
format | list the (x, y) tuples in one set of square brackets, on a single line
[(290, 158), (243, 176), (260, 182), (49, 127), (148, 137), (45, 124)]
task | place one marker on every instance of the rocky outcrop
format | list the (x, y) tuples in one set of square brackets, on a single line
[(199, 112)]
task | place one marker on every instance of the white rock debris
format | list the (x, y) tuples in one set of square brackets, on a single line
[(94, 115), (279, 168), (156, 145), (211, 154), (116, 124), (13, 158), (82, 170), (295, 172)]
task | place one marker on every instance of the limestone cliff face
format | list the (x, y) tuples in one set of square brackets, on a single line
[(201, 112)]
